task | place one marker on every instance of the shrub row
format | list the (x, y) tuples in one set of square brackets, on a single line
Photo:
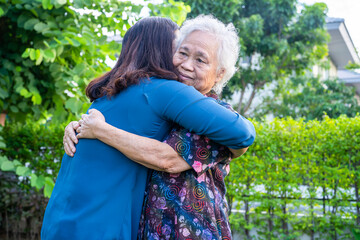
[(299, 178), (29, 161)]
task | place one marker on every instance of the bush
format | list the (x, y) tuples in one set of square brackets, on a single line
[(30, 160), (298, 178)]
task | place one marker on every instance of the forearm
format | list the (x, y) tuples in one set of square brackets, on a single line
[(238, 152), (148, 152)]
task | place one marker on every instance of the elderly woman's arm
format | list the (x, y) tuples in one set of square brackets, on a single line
[(145, 151)]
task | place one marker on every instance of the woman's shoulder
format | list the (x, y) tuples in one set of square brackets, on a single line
[(169, 87), (154, 81)]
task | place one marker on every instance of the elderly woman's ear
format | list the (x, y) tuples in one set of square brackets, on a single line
[(220, 74)]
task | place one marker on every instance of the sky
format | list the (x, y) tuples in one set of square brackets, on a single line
[(347, 9)]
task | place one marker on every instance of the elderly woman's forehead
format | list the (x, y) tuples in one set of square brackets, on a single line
[(198, 32), (202, 38)]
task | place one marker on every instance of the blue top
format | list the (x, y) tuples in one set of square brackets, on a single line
[(99, 192)]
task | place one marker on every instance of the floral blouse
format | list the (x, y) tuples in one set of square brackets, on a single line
[(191, 204)]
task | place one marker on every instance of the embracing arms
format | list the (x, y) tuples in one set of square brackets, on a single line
[(184, 106), (148, 152)]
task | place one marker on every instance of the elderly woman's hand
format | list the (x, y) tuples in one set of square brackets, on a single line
[(90, 124), (70, 139)]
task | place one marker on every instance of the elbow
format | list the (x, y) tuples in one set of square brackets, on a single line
[(170, 166), (246, 136), (169, 163), (251, 138)]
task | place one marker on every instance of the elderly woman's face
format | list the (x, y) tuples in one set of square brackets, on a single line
[(196, 61)]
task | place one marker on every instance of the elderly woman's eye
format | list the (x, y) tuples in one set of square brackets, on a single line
[(183, 53), (200, 60)]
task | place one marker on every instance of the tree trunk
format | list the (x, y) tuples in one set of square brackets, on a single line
[(241, 100), (247, 218), (250, 99), (284, 223), (312, 232), (334, 210), (270, 222), (2, 118)]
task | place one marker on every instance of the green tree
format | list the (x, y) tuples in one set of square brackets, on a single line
[(277, 40), (51, 49), (311, 98)]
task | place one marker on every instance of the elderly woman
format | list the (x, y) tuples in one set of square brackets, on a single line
[(192, 204)]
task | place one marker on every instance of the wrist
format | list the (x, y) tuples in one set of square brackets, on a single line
[(100, 129)]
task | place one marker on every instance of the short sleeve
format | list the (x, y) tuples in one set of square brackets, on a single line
[(187, 107)]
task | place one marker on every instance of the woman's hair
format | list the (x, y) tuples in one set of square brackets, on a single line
[(227, 37), (146, 52)]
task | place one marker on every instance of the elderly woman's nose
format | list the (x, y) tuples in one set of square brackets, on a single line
[(188, 65)]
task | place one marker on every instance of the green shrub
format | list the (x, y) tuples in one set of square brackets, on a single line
[(29, 161), (299, 178)]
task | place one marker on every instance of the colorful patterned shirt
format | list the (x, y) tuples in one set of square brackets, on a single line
[(191, 204)]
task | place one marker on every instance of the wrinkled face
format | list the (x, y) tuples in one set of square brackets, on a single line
[(196, 61)]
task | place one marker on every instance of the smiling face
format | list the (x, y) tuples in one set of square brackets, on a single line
[(196, 61)]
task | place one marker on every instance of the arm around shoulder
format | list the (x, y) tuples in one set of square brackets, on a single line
[(202, 115)]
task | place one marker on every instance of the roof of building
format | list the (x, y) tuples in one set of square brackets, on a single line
[(341, 48), (350, 78)]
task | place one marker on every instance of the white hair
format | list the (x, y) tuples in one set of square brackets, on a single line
[(228, 51)]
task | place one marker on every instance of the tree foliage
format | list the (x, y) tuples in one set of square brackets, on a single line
[(277, 40), (311, 98), (51, 49)]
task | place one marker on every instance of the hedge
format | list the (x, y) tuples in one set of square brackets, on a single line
[(299, 178), (29, 162)]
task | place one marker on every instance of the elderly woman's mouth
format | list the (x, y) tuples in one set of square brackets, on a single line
[(185, 78)]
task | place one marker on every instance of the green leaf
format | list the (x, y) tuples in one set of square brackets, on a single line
[(46, 4), (2, 145), (1, 12), (33, 179), (60, 2), (74, 105), (4, 93), (26, 53), (79, 69), (16, 163), (40, 27), (3, 159), (59, 50), (22, 171), (29, 24), (32, 54), (14, 109), (36, 99), (49, 54), (7, 166), (73, 42), (25, 93), (39, 58), (49, 186), (40, 181)]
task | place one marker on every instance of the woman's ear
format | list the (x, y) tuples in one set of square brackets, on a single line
[(220, 74)]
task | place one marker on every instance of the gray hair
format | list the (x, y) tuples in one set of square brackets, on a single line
[(228, 51)]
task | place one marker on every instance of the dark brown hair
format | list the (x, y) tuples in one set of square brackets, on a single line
[(146, 52)]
